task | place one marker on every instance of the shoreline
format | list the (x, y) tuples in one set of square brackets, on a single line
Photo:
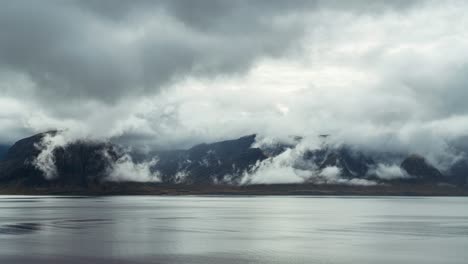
[(109, 189)]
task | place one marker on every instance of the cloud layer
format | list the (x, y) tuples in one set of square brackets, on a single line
[(169, 74)]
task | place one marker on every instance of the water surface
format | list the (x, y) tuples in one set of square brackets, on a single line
[(194, 229)]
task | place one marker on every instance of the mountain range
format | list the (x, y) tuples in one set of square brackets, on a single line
[(87, 163)]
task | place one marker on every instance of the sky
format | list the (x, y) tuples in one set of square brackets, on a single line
[(171, 74)]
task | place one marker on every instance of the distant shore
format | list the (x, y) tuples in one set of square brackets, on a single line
[(261, 189)]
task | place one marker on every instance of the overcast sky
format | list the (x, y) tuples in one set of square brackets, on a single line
[(174, 73)]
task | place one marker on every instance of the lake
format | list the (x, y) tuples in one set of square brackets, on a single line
[(223, 229)]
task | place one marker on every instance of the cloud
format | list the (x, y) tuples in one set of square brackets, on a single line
[(389, 172), (331, 172), (332, 175), (107, 51), (112, 50), (52, 140), (45, 160), (121, 169), (379, 75), (125, 169), (291, 166), (279, 169)]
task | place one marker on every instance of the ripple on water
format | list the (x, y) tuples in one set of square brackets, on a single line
[(20, 228)]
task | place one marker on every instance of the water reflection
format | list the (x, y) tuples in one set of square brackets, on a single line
[(234, 229), (19, 229)]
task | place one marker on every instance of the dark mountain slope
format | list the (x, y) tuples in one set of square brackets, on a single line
[(3, 150), (208, 163), (79, 163), (17, 164), (83, 163), (89, 163), (458, 173), (420, 170), (351, 163)]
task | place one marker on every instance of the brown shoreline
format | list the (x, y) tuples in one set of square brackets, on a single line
[(274, 189)]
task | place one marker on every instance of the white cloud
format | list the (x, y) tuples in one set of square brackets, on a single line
[(279, 169), (389, 172), (331, 173), (125, 169), (291, 167), (45, 161)]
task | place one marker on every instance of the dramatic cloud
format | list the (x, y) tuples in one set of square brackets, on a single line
[(168, 74), (110, 50)]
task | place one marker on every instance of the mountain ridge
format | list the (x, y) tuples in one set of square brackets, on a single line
[(91, 163)]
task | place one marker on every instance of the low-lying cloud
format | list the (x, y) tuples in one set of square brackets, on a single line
[(125, 169), (389, 172), (279, 169), (45, 160), (292, 166), (120, 168)]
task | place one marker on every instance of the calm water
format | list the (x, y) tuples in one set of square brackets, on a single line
[(233, 230)]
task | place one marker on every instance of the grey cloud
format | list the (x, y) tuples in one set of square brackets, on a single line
[(114, 68), (107, 50), (70, 52)]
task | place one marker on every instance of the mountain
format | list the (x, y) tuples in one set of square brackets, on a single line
[(86, 163), (17, 163), (351, 163), (458, 173), (78, 163), (3, 151), (209, 163), (420, 170)]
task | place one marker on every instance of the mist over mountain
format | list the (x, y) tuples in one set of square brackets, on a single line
[(45, 160)]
